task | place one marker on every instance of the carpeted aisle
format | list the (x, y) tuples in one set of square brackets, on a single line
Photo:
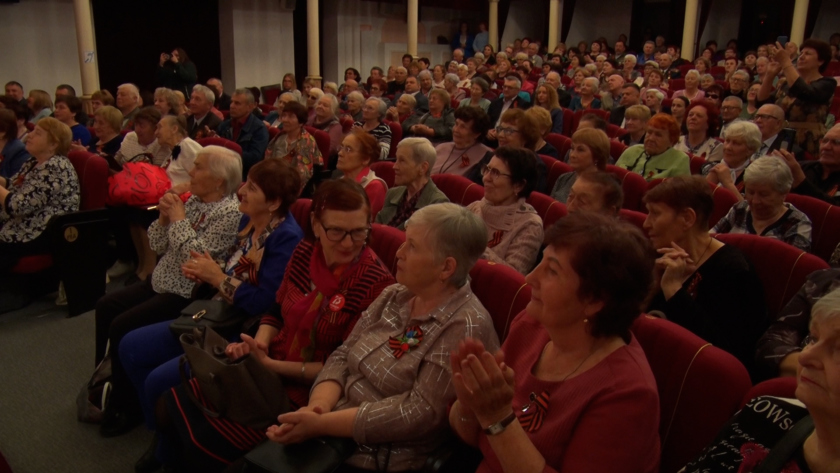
[(44, 360)]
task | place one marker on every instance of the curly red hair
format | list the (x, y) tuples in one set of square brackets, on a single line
[(664, 121)]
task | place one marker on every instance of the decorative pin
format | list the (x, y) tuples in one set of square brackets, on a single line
[(337, 302), (402, 345), (534, 412), (465, 160)]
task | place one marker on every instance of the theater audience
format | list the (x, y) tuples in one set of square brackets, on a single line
[(176, 72), (21, 113), (630, 95), (636, 118), (289, 84), (764, 211), (598, 192), (295, 145), (819, 179), (657, 158), (325, 119), (171, 132), (478, 89), (272, 119), (514, 230), (142, 143), (202, 120), (466, 151), (373, 122), (206, 223), (358, 151), (770, 120), (692, 89), (751, 106), (354, 102), (245, 129), (629, 72), (611, 97), (435, 125), (404, 111), (107, 139), (40, 104), (584, 394), (701, 121), (166, 101), (413, 189), (509, 99), (590, 153), (730, 112), (66, 108), (742, 141), (45, 185), (702, 284), (129, 103), (653, 100), (542, 120), (547, 98)]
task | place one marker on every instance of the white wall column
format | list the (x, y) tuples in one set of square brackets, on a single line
[(411, 20), (690, 29), (313, 42), (87, 47), (800, 16), (553, 24), (493, 25)]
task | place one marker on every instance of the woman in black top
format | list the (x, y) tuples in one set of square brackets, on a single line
[(107, 137), (177, 72)]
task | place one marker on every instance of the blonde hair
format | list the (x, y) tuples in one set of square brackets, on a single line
[(42, 99), (541, 118), (112, 116), (171, 99), (58, 134), (598, 143), (553, 98), (639, 112)]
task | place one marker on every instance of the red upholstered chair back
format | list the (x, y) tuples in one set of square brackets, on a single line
[(633, 185), (825, 223), (502, 291), (724, 200), (396, 137), (219, 141), (225, 114), (93, 178), (676, 84), (636, 218), (700, 388), (569, 124), (561, 143), (782, 268), (617, 147), (614, 131), (270, 93), (696, 163), (458, 189), (384, 170), (346, 123), (549, 209), (322, 139), (580, 113), (779, 387), (385, 241), (273, 131), (266, 108), (684, 70), (557, 169), (301, 211)]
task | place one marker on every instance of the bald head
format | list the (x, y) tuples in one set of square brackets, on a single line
[(616, 82), (770, 119), (553, 79)]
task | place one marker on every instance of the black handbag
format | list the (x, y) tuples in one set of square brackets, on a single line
[(318, 455), (222, 317)]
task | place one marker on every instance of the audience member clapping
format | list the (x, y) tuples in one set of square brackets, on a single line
[(742, 142), (436, 125)]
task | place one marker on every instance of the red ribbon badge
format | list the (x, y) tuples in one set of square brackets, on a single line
[(337, 302), (465, 160), (402, 345)]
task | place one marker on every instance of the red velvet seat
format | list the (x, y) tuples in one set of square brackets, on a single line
[(724, 200), (270, 93), (549, 210), (825, 223), (273, 131), (225, 114), (346, 123), (385, 241), (557, 169), (615, 131), (617, 147), (384, 170), (636, 218), (301, 211), (396, 137), (633, 185), (676, 84), (502, 291), (561, 143), (458, 189), (779, 387), (696, 164), (569, 124), (580, 113), (219, 141), (700, 387), (782, 268), (322, 139), (266, 108), (685, 68)]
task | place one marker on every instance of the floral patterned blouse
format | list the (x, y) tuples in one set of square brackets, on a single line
[(302, 154), (37, 192), (806, 108), (210, 226)]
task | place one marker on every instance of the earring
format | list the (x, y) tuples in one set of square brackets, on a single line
[(586, 321)]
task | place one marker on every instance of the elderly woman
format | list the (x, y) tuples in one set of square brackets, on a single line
[(404, 111), (66, 108), (571, 389), (707, 81), (692, 89), (751, 105), (45, 185), (755, 433), (378, 88), (764, 211), (701, 122), (657, 158), (355, 101), (437, 124), (273, 118), (546, 97), (107, 123), (656, 80), (803, 92), (325, 119), (514, 230), (678, 108), (598, 192), (635, 123), (705, 286), (396, 408), (171, 132), (542, 120), (450, 85), (166, 101), (629, 72), (465, 152), (11, 148), (295, 145), (702, 65), (587, 98), (248, 281), (577, 79), (373, 122), (205, 225), (590, 153), (463, 76), (99, 99), (738, 151), (40, 104), (330, 88), (297, 335), (478, 88), (438, 73), (653, 100), (413, 189), (358, 151), (503, 68)]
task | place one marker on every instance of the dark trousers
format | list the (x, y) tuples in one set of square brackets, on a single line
[(119, 313)]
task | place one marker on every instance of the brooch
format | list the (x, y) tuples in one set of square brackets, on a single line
[(465, 160), (533, 413), (402, 345)]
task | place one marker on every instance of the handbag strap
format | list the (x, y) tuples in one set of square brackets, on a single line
[(781, 452)]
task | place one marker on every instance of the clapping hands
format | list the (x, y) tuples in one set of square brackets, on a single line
[(483, 382)]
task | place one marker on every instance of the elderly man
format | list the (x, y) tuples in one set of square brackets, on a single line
[(770, 119), (630, 95), (128, 101), (553, 79), (202, 121), (534, 54), (730, 111), (222, 99), (398, 84), (509, 99), (611, 97), (466, 150), (412, 189), (620, 51), (350, 85), (819, 179), (458, 55), (647, 53), (15, 91), (426, 83), (739, 84), (761, 65), (666, 65), (412, 88), (243, 127)]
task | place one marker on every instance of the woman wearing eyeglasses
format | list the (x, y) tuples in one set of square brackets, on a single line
[(357, 152), (331, 278), (514, 230), (656, 158)]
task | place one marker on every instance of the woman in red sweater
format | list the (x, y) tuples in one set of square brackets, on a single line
[(572, 390)]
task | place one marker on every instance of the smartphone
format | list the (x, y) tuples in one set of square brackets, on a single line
[(782, 40), (788, 135)]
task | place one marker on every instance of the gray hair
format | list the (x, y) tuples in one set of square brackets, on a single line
[(704, 76), (748, 131), (401, 69), (594, 82), (481, 83), (424, 73), (693, 72), (132, 89), (381, 106), (333, 102), (356, 95), (742, 73), (451, 78), (318, 92), (410, 99), (463, 67), (249, 97), (502, 53), (479, 56), (206, 92), (761, 59), (515, 78), (444, 96), (827, 306), (224, 164), (447, 219), (592, 68), (421, 150), (736, 100), (332, 86), (601, 57), (631, 58), (520, 57), (659, 95), (769, 170)]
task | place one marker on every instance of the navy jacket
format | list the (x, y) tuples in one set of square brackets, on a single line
[(253, 138), (14, 155)]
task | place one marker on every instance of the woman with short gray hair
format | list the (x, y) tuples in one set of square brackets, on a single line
[(743, 139), (325, 119), (692, 89), (438, 123), (764, 211), (450, 84), (373, 122), (355, 102), (478, 89)]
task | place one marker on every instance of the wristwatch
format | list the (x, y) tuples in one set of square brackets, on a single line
[(499, 427)]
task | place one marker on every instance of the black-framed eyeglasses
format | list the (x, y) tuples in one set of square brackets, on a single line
[(339, 234), (505, 130), (493, 172)]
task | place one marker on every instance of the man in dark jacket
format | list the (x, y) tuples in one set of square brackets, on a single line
[(245, 129)]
